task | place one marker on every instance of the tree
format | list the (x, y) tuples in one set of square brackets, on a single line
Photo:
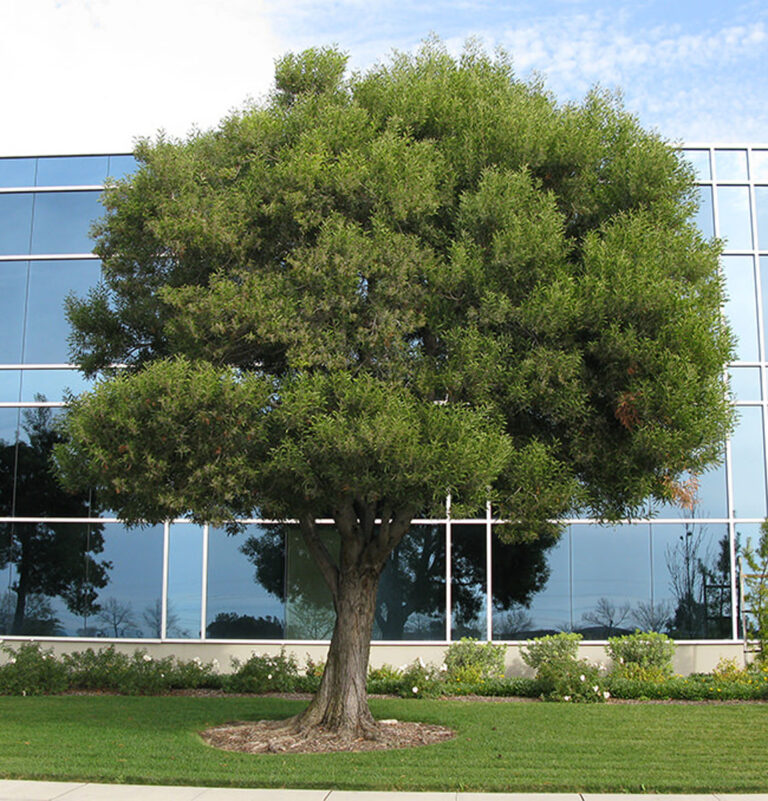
[(119, 619), (370, 292)]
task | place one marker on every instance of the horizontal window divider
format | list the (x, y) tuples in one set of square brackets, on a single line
[(9, 190), (32, 404), (50, 257), (38, 367)]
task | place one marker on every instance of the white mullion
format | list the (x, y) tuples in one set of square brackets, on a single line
[(488, 574), (448, 573), (204, 584), (164, 598)]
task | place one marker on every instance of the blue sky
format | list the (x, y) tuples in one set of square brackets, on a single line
[(91, 75)]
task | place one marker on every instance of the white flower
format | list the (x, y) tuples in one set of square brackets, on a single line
[(582, 677), (444, 668), (12, 660), (421, 663), (214, 663), (621, 660), (414, 690), (596, 689), (162, 675), (269, 675), (566, 698), (198, 661), (606, 695), (147, 658)]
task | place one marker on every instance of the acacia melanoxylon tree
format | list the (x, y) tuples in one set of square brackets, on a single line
[(367, 293)]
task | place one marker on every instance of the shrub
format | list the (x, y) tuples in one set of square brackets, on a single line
[(470, 661), (96, 670), (420, 680), (263, 673), (29, 670), (566, 679), (552, 647), (644, 654)]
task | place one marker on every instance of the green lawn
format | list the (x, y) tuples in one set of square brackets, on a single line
[(506, 746)]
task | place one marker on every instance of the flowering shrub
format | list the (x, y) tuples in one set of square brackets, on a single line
[(643, 655), (566, 679), (263, 673), (420, 680), (471, 662), (29, 670), (553, 647)]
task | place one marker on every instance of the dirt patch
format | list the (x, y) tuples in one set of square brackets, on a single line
[(262, 737)]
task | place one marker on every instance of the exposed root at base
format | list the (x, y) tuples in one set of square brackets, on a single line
[(282, 737)]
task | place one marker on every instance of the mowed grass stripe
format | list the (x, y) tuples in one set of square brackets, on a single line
[(500, 746)]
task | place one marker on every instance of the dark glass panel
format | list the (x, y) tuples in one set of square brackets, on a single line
[(120, 166), (309, 613), (699, 159), (611, 578), (62, 221), (735, 219), (521, 577), (246, 584), (745, 383), (13, 293), (71, 170), (741, 306), (47, 327), (705, 219), (731, 165), (52, 385), (17, 172), (748, 464), (747, 534), (185, 584), (711, 497), (15, 223), (469, 581), (761, 209), (411, 601), (691, 581), (10, 384)]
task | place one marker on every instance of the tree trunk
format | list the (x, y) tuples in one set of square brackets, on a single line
[(17, 627)]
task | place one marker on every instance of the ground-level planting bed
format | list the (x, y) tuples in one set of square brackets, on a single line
[(510, 746)]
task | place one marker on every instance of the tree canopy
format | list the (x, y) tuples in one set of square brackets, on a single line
[(369, 292)]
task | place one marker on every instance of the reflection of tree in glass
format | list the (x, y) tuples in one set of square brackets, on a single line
[(50, 559), (153, 618), (606, 619), (309, 619), (513, 624), (231, 626), (119, 619), (39, 617), (652, 616)]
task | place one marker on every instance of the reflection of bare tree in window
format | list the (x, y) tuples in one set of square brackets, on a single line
[(39, 617), (306, 620), (608, 617), (118, 617), (652, 616), (153, 618), (513, 624)]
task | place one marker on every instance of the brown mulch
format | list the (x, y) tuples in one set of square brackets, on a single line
[(263, 737)]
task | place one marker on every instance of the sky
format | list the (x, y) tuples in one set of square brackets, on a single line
[(91, 76)]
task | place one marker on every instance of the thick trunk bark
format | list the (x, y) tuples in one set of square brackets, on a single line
[(17, 627)]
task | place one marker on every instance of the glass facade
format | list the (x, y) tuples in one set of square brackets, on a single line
[(65, 572)]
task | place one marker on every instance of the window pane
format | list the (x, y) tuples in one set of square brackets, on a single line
[(120, 166), (10, 384), (745, 383), (735, 220), (731, 165), (700, 161), (13, 293), (748, 464), (62, 221), (705, 216), (71, 170), (52, 385), (469, 582), (47, 327), (309, 613), (746, 534), (741, 306), (711, 497), (17, 172), (691, 581), (522, 572), (761, 208), (611, 578), (9, 421), (185, 585), (759, 165), (15, 223), (764, 290), (246, 584), (411, 600)]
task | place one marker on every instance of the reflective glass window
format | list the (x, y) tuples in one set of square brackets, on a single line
[(531, 587), (71, 170), (711, 497), (47, 327), (691, 581), (746, 534), (17, 172), (62, 221), (10, 385), (185, 584), (52, 385), (761, 209), (13, 293), (410, 604), (469, 581), (748, 464), (699, 159), (764, 290), (15, 223), (611, 578), (759, 165), (745, 383), (741, 306), (120, 166), (246, 584), (705, 219), (731, 165), (735, 219), (9, 421)]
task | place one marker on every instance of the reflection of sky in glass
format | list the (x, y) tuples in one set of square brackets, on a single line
[(761, 209), (764, 291), (52, 384), (700, 161), (735, 219), (71, 170), (748, 464), (745, 383), (185, 580), (704, 216), (120, 166), (759, 165), (731, 165), (15, 223), (13, 283), (62, 221), (551, 609), (741, 306), (17, 172), (711, 497), (10, 385), (9, 419)]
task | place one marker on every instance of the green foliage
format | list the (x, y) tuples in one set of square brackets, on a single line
[(29, 670), (540, 650), (643, 655), (471, 661), (421, 680), (567, 679), (262, 673), (756, 591)]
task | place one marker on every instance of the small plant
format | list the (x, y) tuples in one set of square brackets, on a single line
[(263, 673), (420, 680), (469, 661), (643, 655), (29, 670), (550, 648), (314, 669), (575, 680), (730, 670)]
